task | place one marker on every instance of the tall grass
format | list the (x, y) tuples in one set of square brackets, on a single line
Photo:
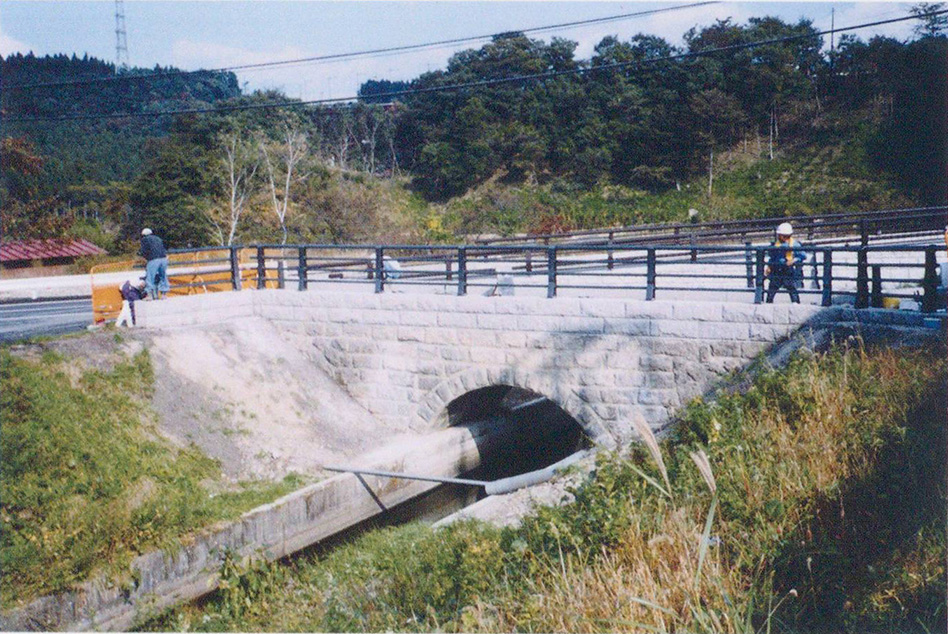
[(85, 481), (815, 501)]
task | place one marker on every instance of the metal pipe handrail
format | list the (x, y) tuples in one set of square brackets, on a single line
[(600, 266), (806, 220)]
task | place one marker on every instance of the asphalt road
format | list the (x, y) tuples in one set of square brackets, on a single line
[(20, 320)]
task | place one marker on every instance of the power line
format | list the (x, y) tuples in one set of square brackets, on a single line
[(365, 53), (484, 82)]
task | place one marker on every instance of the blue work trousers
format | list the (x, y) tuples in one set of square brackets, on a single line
[(156, 277)]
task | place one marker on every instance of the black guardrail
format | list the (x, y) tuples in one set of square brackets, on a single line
[(811, 228), (866, 274)]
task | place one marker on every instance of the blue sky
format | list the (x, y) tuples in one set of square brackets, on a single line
[(205, 34)]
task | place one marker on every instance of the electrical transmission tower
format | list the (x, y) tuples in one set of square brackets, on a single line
[(121, 42)]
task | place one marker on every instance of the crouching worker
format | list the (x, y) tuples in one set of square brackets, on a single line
[(784, 268), (131, 293)]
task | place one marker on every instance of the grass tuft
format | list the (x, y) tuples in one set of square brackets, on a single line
[(86, 483)]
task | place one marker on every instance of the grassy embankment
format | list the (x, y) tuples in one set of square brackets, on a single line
[(829, 173), (828, 515), (85, 481)]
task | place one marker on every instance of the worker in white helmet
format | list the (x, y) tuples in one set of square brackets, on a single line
[(785, 266)]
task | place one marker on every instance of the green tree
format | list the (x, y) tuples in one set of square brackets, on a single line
[(929, 25)]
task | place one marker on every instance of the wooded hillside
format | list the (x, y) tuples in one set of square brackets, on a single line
[(643, 130)]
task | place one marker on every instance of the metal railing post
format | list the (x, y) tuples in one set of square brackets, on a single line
[(261, 268), (529, 262), (694, 251), (551, 272), (827, 278), (875, 295), (234, 269), (302, 268), (862, 278), (448, 269), (930, 282), (864, 233), (609, 256), (462, 271), (749, 264), (379, 269), (759, 276), (650, 275)]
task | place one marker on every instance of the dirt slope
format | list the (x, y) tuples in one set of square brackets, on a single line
[(255, 401)]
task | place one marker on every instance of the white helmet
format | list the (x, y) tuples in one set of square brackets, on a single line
[(146, 231), (785, 229)]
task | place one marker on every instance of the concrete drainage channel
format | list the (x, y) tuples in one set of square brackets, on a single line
[(499, 439)]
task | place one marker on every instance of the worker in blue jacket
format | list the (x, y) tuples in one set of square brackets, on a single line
[(785, 264), (156, 264)]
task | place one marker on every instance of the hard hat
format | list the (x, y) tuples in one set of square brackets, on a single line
[(785, 229), (146, 231)]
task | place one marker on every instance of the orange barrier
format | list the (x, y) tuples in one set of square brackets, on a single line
[(106, 296), (188, 274)]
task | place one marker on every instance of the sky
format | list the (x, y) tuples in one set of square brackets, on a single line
[(205, 34)]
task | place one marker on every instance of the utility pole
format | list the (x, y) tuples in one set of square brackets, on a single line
[(121, 41), (832, 34)]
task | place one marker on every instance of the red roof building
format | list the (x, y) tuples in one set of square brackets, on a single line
[(42, 257)]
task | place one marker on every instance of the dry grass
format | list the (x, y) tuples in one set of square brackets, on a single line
[(777, 514)]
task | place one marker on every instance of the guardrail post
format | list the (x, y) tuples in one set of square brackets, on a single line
[(302, 270), (875, 295), (234, 269), (551, 272), (694, 251), (749, 264), (862, 278), (759, 276), (609, 260), (462, 271), (261, 268), (827, 278), (930, 282), (864, 233), (529, 262), (379, 269), (650, 275), (448, 272)]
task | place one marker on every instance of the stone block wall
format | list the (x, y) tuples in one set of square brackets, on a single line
[(405, 356)]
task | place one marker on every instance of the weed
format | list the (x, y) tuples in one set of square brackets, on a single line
[(85, 485)]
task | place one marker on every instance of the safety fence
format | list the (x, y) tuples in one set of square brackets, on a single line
[(864, 276), (192, 271)]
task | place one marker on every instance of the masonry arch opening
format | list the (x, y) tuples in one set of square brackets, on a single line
[(527, 430)]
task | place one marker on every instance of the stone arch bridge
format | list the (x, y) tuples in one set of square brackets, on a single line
[(404, 357)]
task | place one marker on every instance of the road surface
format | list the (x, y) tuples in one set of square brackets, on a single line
[(20, 320)]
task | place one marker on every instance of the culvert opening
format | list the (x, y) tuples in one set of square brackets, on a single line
[(533, 432), (517, 431)]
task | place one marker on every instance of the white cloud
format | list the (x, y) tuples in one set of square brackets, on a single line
[(9, 45), (342, 78), (314, 80), (863, 12)]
